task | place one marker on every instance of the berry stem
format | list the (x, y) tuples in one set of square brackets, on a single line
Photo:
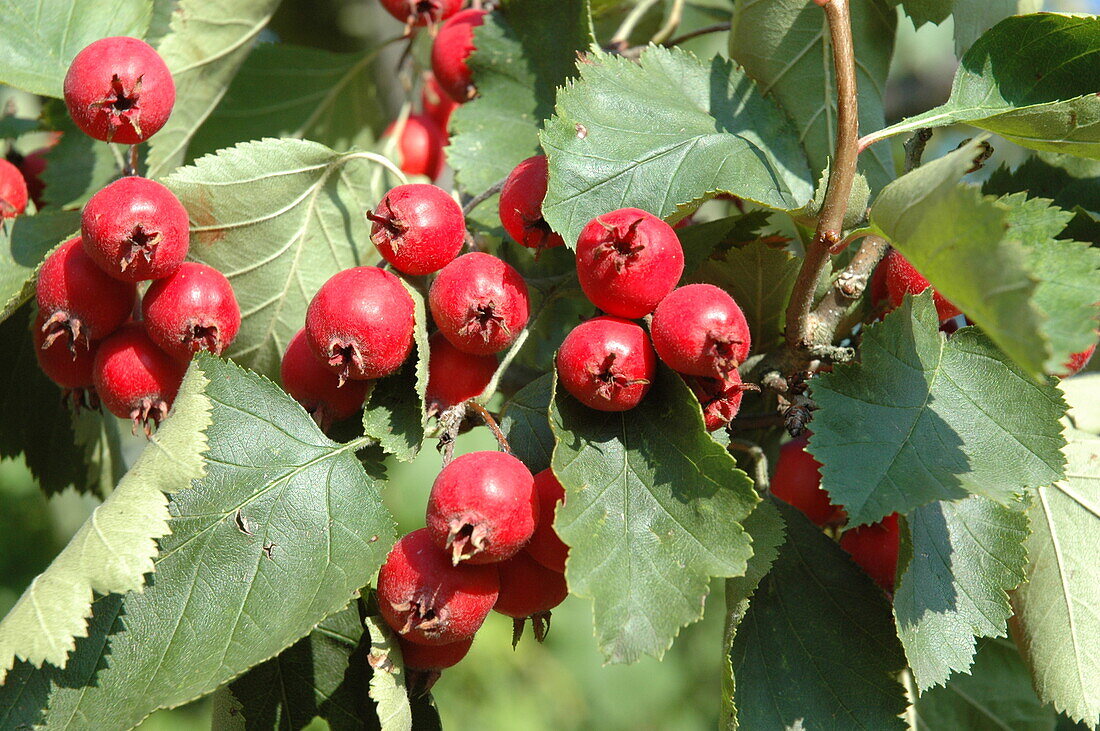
[(621, 40), (671, 24), (480, 198), (705, 30), (502, 441)]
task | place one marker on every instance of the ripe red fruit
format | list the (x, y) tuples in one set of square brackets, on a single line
[(719, 397), (13, 190), (1076, 362), (421, 12), (436, 103), (70, 368), (482, 507), (433, 657), (875, 549), (192, 309), (902, 279), (420, 146), (427, 600), (521, 205), (78, 299), (529, 590), (797, 481), (135, 229), (453, 45), (134, 378), (119, 90), (545, 546), (607, 363), (360, 323), (454, 376), (315, 387), (418, 228), (479, 303), (700, 330)]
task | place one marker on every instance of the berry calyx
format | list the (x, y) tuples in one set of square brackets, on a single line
[(316, 388), (521, 205), (628, 261), (192, 309), (421, 12), (699, 330), (1077, 362), (360, 323), (119, 90), (607, 363), (13, 190), (79, 301), (482, 508), (436, 103), (545, 546), (420, 145), (797, 481), (901, 279), (453, 45), (69, 368), (875, 549), (720, 398), (134, 378), (433, 658), (135, 229), (418, 228), (529, 590), (455, 376), (479, 303), (426, 599)]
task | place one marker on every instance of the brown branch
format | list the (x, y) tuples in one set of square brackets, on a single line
[(502, 441), (684, 37), (482, 197), (851, 283)]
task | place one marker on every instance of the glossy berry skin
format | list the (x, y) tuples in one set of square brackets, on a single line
[(419, 146), (433, 657), (720, 398), (699, 330), (418, 228), (521, 205), (482, 508), (119, 90), (528, 588), (607, 363), (453, 45), (69, 368), (797, 481), (134, 378), (436, 103), (875, 549), (13, 190), (192, 309), (135, 229), (1077, 362), (628, 261), (421, 12), (901, 279), (427, 600), (360, 323), (479, 303), (454, 376), (316, 388), (79, 301), (545, 546)]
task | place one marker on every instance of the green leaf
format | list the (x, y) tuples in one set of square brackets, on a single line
[(395, 708), (926, 11), (704, 240), (816, 649), (782, 44), (77, 166), (652, 512), (951, 416), (1082, 392), (12, 127), (24, 243), (526, 422), (40, 39), (278, 218), (963, 559), (663, 134), (280, 533), (115, 547), (524, 52), (1073, 183), (974, 17)]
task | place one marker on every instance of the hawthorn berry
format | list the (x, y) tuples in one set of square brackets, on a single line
[(875, 549), (360, 323), (436, 103), (720, 398), (134, 378), (192, 309), (1077, 362), (119, 90), (480, 303), (315, 387), (421, 12), (78, 300), (545, 545), (418, 228), (699, 330), (901, 279), (529, 590), (797, 481), (521, 205), (426, 599), (433, 657), (69, 368), (607, 363), (13, 190), (455, 376), (453, 45), (419, 146), (135, 229), (482, 507)]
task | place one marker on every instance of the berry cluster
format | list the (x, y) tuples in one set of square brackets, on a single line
[(132, 231)]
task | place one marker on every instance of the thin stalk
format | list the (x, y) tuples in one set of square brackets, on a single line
[(706, 30), (675, 15), (621, 39)]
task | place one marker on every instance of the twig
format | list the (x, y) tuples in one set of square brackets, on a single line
[(746, 422), (131, 166), (684, 37), (914, 148), (759, 462), (673, 22), (851, 283), (502, 441), (480, 198)]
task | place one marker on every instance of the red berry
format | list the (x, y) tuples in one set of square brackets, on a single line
[(700, 330), (316, 388), (134, 378), (421, 12), (13, 190), (433, 657), (521, 205), (454, 376), (545, 546), (420, 146), (482, 507), (70, 368), (607, 363), (135, 229), (119, 90), (453, 45), (902, 279), (529, 590), (436, 103), (878, 293), (78, 299), (875, 549), (479, 303), (720, 398), (1076, 362), (797, 481), (427, 600), (192, 309), (418, 228), (361, 323)]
